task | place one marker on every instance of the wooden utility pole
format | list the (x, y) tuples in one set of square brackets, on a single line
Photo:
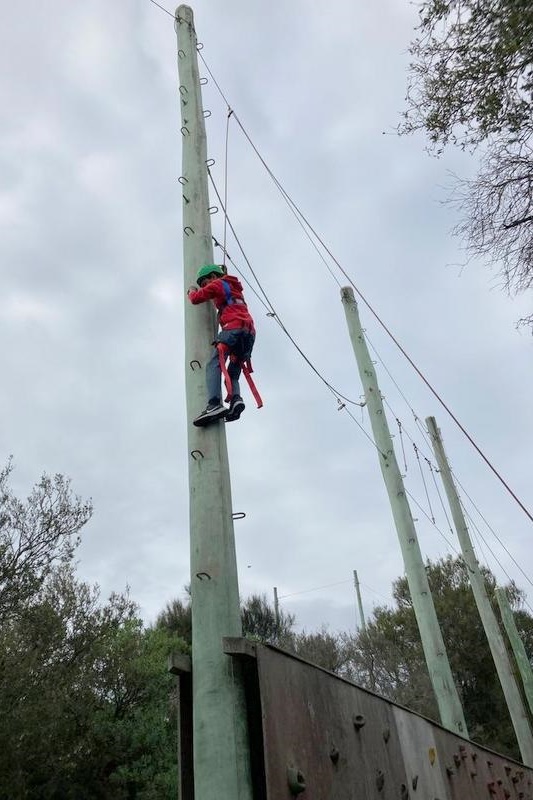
[(517, 644), (220, 736), (359, 601), (449, 703), (276, 608), (490, 623)]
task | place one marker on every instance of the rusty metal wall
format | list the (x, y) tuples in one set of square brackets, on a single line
[(327, 739), (318, 737)]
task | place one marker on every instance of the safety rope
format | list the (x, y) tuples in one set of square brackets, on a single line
[(401, 442), (424, 482), (230, 112)]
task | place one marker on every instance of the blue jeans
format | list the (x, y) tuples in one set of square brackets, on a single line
[(240, 343)]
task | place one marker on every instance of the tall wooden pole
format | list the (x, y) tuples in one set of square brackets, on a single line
[(449, 703), (490, 623), (220, 737), (359, 601), (517, 644), (276, 608)]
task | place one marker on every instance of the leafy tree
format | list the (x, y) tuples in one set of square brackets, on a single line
[(389, 658), (134, 732), (259, 622), (257, 615), (324, 648), (84, 688), (85, 695), (471, 83), (47, 687), (176, 617), (472, 74), (35, 535)]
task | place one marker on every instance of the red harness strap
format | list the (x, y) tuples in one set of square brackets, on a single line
[(222, 354), (247, 369)]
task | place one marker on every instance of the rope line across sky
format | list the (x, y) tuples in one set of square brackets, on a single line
[(267, 304)]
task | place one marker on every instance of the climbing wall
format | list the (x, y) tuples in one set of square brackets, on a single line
[(316, 736), (325, 738)]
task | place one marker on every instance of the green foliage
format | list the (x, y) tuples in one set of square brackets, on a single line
[(257, 615), (176, 618), (259, 622), (323, 648), (472, 74), (84, 687), (86, 699), (388, 657), (35, 535), (133, 734)]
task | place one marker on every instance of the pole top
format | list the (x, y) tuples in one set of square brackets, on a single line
[(184, 14), (347, 294)]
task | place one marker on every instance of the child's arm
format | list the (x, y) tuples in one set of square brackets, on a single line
[(211, 291)]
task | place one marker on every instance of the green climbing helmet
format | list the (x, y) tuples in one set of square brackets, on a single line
[(203, 272)]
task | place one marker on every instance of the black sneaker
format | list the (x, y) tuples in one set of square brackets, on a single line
[(212, 413), (236, 407)]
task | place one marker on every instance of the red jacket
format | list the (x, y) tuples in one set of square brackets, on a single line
[(232, 311)]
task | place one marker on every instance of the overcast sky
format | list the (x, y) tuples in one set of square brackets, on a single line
[(91, 307)]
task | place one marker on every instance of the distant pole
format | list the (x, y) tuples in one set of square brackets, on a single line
[(220, 738), (517, 644), (359, 602), (490, 624), (276, 607), (449, 703)]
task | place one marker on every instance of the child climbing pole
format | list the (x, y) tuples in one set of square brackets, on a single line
[(235, 340)]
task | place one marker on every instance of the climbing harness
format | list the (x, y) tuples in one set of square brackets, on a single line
[(244, 363), (230, 300), (246, 367)]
